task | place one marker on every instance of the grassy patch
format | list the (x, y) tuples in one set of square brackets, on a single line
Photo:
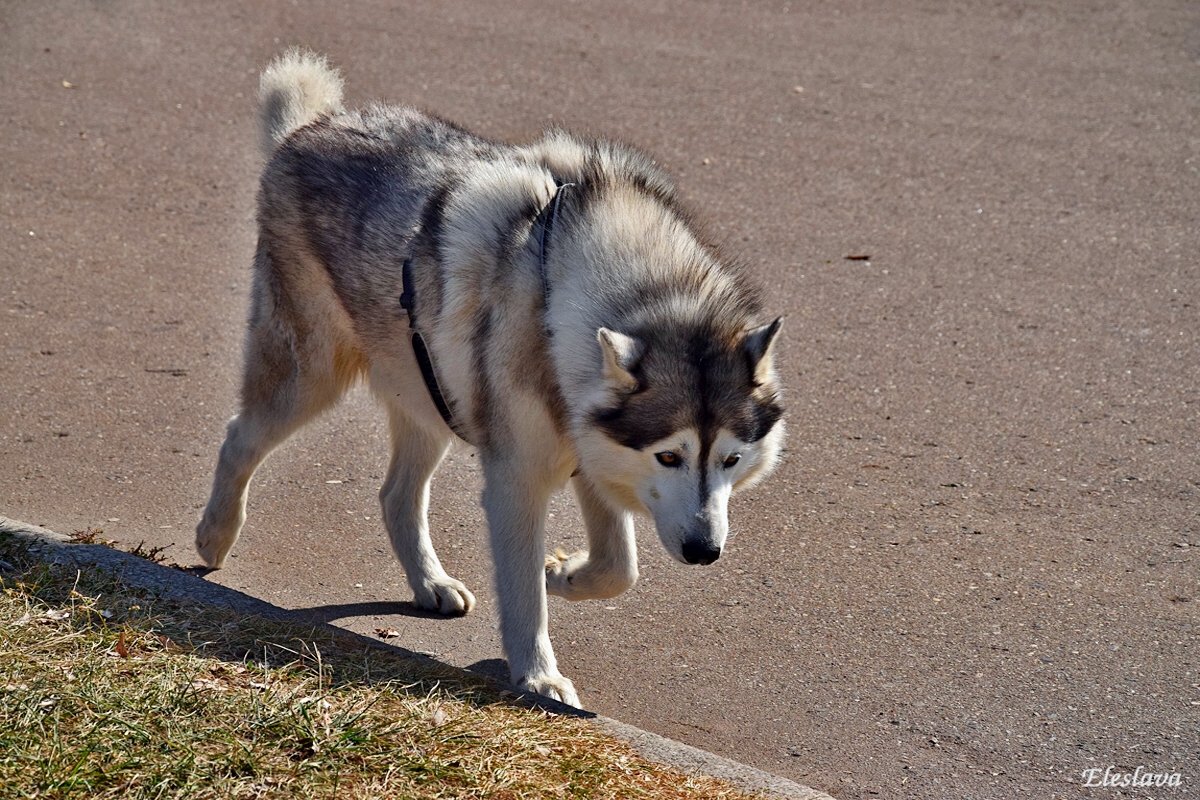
[(108, 692)]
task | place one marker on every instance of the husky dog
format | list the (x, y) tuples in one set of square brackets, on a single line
[(549, 303)]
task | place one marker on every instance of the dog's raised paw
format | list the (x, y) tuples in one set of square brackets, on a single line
[(578, 577), (561, 571), (445, 595), (556, 687)]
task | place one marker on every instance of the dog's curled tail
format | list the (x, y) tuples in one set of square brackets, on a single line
[(295, 89)]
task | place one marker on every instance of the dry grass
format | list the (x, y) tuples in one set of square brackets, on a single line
[(106, 692)]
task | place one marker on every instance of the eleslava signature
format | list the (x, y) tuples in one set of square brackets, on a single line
[(1140, 777)]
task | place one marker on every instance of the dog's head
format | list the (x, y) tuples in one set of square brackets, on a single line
[(683, 420)]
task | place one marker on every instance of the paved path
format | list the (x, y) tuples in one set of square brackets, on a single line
[(974, 576)]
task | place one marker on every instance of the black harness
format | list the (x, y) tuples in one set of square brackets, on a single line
[(408, 301)]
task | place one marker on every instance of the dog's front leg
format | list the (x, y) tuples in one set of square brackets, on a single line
[(609, 565), (516, 504)]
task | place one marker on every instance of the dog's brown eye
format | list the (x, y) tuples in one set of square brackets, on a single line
[(668, 458), (730, 460)]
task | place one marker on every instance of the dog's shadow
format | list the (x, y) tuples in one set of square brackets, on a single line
[(23, 548), (493, 669), (374, 608), (329, 613)]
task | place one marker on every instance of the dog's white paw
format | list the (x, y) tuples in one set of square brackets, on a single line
[(213, 543), (562, 571), (555, 686), (577, 577), (444, 595)]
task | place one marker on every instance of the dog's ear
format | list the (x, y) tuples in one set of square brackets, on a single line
[(758, 346), (620, 353)]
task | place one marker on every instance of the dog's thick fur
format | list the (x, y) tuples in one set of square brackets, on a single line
[(628, 355)]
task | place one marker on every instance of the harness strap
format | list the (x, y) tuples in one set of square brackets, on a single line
[(408, 303), (551, 212)]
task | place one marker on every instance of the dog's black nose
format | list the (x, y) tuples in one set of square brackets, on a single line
[(698, 551)]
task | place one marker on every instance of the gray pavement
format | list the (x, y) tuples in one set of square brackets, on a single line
[(975, 573)]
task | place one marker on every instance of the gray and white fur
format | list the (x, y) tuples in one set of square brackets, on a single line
[(630, 363)]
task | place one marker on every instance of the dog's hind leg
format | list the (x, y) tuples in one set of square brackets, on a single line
[(609, 565), (416, 453), (287, 380)]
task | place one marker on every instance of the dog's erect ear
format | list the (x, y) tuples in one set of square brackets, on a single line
[(759, 342), (620, 353)]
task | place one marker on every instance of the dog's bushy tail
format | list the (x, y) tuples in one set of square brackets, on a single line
[(295, 89)]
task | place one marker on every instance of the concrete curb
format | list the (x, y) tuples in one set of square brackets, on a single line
[(181, 585)]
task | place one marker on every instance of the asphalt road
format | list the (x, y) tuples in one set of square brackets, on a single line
[(974, 576)]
